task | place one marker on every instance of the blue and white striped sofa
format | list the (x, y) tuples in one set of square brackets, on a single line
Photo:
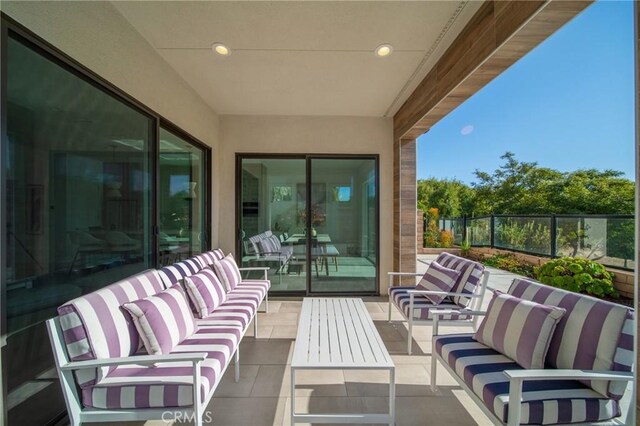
[(593, 340), (106, 374), (466, 295)]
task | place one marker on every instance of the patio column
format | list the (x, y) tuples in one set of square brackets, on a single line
[(404, 207)]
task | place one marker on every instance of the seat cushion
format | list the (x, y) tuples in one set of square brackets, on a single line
[(167, 384), (437, 278), (470, 275), (423, 308), (205, 291), (162, 320), (520, 329), (237, 311), (543, 402), (255, 288), (96, 327), (592, 335)]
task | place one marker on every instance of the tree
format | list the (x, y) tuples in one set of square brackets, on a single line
[(520, 187)]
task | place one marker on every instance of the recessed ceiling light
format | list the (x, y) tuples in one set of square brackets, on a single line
[(221, 49), (383, 50)]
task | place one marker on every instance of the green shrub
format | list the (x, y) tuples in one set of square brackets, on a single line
[(509, 262), (578, 275)]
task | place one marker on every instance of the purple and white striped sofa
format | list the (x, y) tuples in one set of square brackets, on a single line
[(105, 372), (587, 366), (466, 295)]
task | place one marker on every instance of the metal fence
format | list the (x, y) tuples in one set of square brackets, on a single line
[(608, 239)]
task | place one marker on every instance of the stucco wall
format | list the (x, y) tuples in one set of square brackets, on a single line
[(98, 37), (321, 135)]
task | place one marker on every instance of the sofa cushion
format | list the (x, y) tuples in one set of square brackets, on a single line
[(543, 402), (167, 384), (590, 336), (437, 278), (162, 320), (470, 275), (251, 288), (237, 311), (205, 291), (175, 273), (228, 272), (423, 308), (519, 329), (96, 327)]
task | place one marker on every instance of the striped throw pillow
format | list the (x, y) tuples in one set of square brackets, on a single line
[(519, 329), (438, 278), (218, 253), (162, 320), (228, 272), (205, 291)]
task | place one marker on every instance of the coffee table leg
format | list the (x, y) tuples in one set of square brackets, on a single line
[(392, 395), (293, 395)]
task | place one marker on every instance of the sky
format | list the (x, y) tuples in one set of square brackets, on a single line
[(567, 105)]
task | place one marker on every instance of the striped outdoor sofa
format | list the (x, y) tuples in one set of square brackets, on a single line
[(466, 295), (106, 374), (593, 340)]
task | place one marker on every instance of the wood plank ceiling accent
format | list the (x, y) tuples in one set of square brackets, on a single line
[(499, 34)]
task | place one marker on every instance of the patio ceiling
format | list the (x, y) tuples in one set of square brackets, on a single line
[(301, 58)]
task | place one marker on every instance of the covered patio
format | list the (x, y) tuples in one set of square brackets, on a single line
[(141, 137)]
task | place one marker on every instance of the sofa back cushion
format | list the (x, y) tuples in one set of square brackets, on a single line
[(163, 320), (96, 327), (592, 335), (228, 272), (518, 328), (469, 279), (205, 291), (175, 273)]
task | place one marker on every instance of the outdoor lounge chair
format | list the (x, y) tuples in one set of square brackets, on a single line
[(466, 295)]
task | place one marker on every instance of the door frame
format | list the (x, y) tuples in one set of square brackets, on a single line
[(240, 156)]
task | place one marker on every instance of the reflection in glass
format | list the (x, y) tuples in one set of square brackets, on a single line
[(182, 195), (77, 207), (343, 225)]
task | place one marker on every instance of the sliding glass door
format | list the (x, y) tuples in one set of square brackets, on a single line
[(343, 219), (313, 221)]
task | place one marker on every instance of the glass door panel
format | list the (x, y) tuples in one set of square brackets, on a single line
[(182, 209), (272, 220), (343, 225)]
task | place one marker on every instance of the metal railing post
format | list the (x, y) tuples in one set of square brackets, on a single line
[(492, 229), (554, 236)]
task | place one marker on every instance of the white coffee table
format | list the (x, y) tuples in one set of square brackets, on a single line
[(338, 334)]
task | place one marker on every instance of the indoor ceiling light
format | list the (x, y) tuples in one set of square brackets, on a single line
[(383, 50), (221, 49)]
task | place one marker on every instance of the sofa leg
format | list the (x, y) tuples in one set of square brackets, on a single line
[(409, 332), (434, 369), (255, 326), (266, 303), (389, 307), (237, 365)]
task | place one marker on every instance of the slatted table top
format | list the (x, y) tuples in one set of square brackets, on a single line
[(338, 333)]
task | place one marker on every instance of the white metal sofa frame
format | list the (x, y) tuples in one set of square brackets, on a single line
[(477, 297)]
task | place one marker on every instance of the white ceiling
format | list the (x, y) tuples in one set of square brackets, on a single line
[(300, 58)]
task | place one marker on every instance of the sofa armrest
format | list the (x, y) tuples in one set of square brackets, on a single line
[(444, 293), (405, 274), (518, 377), (264, 269), (194, 357), (567, 374), (437, 313)]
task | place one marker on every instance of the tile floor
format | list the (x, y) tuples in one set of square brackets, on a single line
[(263, 396)]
